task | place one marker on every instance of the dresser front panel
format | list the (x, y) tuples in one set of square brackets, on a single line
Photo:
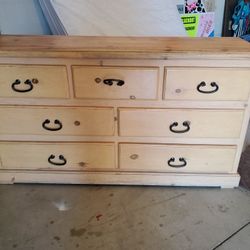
[(147, 111), (25, 120), (28, 81), (57, 156), (115, 82), (207, 84), (186, 123), (177, 158)]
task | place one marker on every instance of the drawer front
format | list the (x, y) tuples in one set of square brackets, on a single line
[(207, 84), (33, 81), (57, 156), (180, 123), (177, 158), (56, 121), (115, 82)]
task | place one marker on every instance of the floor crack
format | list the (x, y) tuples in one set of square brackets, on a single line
[(229, 237)]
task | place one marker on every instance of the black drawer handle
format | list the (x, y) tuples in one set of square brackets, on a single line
[(110, 82), (56, 122), (175, 124), (28, 83), (175, 165), (212, 84), (61, 158)]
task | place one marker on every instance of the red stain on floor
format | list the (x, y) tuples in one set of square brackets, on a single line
[(98, 216)]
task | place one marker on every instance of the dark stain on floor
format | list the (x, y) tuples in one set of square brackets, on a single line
[(57, 238), (77, 232), (98, 216)]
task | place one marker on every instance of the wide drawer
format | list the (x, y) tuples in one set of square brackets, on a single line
[(56, 121), (180, 123), (177, 158), (56, 156), (207, 84), (33, 81), (115, 82)]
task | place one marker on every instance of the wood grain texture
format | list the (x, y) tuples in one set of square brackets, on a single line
[(199, 158), (52, 81), (214, 123), (78, 156), (202, 123), (182, 83), (139, 83), (121, 47), (23, 120)]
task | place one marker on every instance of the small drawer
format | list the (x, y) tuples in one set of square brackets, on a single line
[(33, 81), (85, 121), (177, 158), (57, 156), (195, 123), (208, 84), (115, 82)]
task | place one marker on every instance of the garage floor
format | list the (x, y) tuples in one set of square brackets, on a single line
[(50, 217), (43, 217)]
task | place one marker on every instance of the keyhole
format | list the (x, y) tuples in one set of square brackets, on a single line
[(77, 123), (134, 156), (82, 164), (34, 81), (98, 80)]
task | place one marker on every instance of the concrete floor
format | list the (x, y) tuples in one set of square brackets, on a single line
[(50, 217)]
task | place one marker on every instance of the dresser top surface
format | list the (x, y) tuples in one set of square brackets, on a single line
[(151, 47)]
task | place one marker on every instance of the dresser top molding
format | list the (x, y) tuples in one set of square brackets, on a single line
[(122, 47)]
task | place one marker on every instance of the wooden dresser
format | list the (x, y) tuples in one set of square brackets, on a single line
[(109, 110)]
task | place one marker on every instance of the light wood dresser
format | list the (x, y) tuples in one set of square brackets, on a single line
[(109, 110)]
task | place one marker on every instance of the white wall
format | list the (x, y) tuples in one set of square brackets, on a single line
[(22, 17), (219, 13)]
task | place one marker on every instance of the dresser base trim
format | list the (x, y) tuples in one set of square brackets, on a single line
[(166, 179)]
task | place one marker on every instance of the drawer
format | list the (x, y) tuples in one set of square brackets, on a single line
[(56, 156), (33, 81), (177, 158), (56, 121), (207, 84), (180, 122), (115, 82)]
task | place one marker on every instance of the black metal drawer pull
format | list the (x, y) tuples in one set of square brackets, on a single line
[(61, 158), (56, 122), (171, 160), (28, 83), (212, 84), (175, 124), (110, 82)]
